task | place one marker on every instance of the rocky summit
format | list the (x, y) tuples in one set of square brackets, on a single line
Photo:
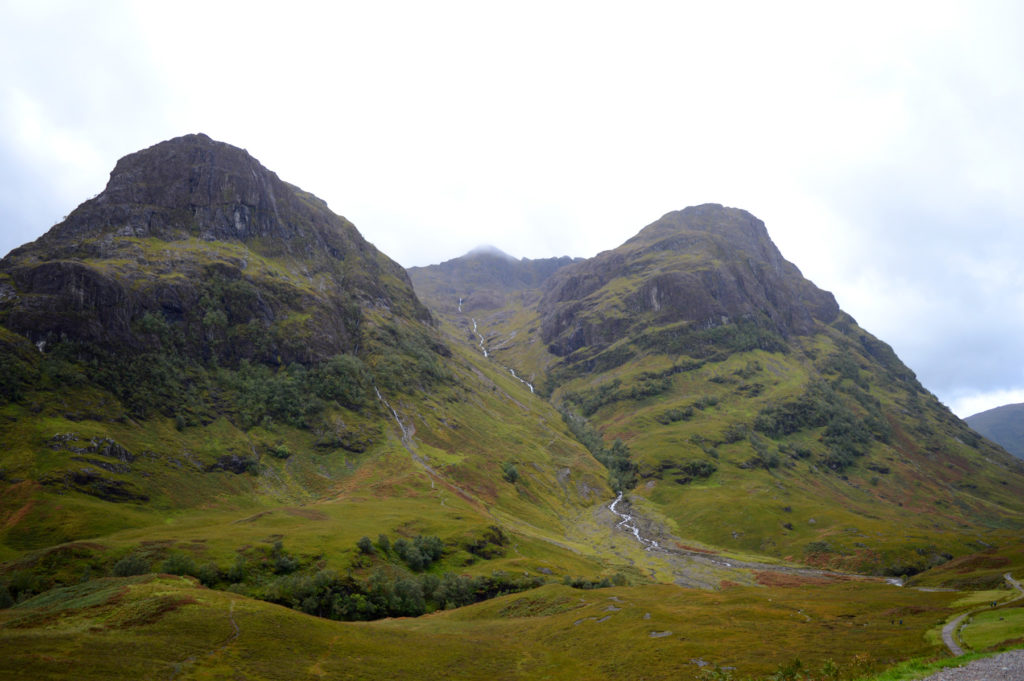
[(197, 235), (236, 442), (701, 267)]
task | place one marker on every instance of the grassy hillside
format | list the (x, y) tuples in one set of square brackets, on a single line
[(153, 627)]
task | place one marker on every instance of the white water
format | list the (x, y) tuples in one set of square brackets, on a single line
[(629, 525), (401, 426), (526, 383), (480, 336), (483, 349)]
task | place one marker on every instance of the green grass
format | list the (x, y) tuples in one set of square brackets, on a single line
[(989, 629), (146, 627)]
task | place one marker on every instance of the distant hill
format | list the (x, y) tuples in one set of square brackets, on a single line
[(1003, 425), (482, 278)]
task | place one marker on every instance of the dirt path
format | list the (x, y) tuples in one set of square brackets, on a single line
[(949, 634), (1015, 584), (950, 631)]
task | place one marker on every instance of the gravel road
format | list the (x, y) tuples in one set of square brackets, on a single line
[(1003, 667)]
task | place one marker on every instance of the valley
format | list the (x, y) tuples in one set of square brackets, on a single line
[(237, 441)]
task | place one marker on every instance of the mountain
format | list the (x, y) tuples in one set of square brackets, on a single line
[(1003, 425), (742, 406), (699, 268), (205, 344), (189, 225), (226, 419), (483, 278), (488, 289)]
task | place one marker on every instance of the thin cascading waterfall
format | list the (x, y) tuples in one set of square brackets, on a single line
[(481, 337), (401, 426), (526, 383), (483, 349)]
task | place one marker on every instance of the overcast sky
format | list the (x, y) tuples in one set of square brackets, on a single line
[(881, 143)]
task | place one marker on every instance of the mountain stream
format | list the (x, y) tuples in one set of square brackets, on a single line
[(627, 523), (483, 348)]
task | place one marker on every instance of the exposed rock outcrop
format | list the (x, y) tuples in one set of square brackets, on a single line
[(196, 239), (706, 265)]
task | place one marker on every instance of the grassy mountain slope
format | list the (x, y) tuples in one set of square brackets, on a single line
[(203, 364), (756, 415)]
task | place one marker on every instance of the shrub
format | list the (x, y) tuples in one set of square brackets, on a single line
[(817, 547), (132, 564), (674, 414), (237, 572), (208, 574), (419, 553), (179, 564), (279, 451), (509, 472)]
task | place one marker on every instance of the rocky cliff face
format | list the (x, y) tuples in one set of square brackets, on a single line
[(704, 266), (194, 237)]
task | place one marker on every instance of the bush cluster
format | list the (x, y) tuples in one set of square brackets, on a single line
[(846, 435), (389, 593), (621, 468)]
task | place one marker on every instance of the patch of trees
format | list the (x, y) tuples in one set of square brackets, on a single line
[(389, 592), (675, 414), (405, 358), (589, 401), (716, 343), (683, 472), (846, 435), (418, 554), (621, 468), (646, 384), (618, 579)]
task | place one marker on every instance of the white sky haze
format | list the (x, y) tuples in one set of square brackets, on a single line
[(880, 142)]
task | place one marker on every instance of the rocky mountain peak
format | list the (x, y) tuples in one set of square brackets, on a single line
[(193, 186), (704, 266), (733, 228), (192, 222)]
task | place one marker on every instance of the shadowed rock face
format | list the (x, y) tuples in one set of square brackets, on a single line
[(707, 265), (193, 186), (192, 221)]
